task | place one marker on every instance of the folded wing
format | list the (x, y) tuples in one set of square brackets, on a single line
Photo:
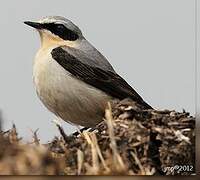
[(107, 81)]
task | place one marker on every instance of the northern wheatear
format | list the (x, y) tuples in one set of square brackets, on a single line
[(72, 78)]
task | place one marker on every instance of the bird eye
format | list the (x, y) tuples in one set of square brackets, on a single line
[(60, 28), (62, 31)]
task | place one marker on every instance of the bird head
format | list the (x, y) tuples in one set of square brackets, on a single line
[(56, 29)]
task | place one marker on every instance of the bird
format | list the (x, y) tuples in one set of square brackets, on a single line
[(72, 78)]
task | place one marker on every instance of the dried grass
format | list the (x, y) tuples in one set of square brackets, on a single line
[(130, 141)]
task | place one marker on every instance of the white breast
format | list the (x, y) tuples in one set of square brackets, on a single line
[(69, 98)]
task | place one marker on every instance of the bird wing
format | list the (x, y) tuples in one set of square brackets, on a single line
[(107, 81)]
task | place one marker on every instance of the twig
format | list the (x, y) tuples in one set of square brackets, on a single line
[(94, 139), (118, 162), (95, 160), (36, 140), (80, 159)]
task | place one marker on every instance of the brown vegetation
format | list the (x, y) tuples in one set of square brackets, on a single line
[(130, 141)]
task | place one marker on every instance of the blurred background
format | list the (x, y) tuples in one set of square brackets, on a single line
[(150, 43)]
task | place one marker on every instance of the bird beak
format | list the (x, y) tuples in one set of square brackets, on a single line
[(33, 24)]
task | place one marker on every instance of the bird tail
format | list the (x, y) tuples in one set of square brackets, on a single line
[(146, 106)]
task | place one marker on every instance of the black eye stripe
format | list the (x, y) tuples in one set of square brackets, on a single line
[(61, 31)]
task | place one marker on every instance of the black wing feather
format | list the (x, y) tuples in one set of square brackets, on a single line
[(107, 81)]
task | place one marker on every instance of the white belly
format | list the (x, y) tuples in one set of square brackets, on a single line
[(69, 98)]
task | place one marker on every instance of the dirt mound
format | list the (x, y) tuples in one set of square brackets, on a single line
[(130, 141)]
